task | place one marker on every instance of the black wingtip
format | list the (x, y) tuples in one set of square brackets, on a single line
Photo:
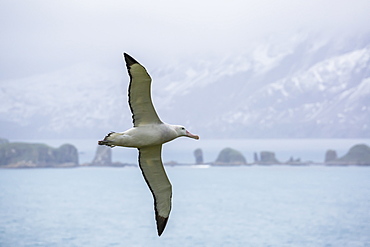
[(129, 60), (161, 224)]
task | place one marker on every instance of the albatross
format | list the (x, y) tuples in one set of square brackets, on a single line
[(147, 135)]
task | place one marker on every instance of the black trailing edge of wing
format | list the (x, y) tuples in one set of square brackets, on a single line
[(160, 221)]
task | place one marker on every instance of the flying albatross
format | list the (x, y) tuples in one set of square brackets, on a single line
[(148, 135)]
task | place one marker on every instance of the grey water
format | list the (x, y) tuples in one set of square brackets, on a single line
[(217, 206)]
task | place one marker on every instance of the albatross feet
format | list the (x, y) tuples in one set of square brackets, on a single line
[(106, 141)]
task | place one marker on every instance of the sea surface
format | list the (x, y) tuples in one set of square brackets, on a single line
[(216, 206)]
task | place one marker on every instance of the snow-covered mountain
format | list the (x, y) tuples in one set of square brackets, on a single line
[(307, 87), (330, 99), (70, 102), (303, 87)]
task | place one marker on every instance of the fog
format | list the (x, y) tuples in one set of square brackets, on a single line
[(62, 72), (42, 36)]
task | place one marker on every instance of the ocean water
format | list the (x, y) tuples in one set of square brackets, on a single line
[(216, 206)]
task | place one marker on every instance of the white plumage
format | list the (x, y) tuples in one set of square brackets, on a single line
[(148, 135)]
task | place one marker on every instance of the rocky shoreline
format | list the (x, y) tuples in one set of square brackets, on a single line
[(36, 155)]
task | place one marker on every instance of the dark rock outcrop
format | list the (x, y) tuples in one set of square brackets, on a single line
[(23, 155), (103, 156), (229, 156), (3, 141), (255, 157), (330, 155), (296, 161), (357, 155), (198, 153), (268, 157), (66, 153)]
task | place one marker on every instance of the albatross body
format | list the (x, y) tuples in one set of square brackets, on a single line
[(147, 135)]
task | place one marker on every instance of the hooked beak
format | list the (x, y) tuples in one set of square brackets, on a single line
[(188, 134)]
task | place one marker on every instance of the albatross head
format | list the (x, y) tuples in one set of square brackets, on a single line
[(181, 131)]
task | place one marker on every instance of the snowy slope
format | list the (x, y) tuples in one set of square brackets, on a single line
[(64, 102), (330, 99), (304, 87)]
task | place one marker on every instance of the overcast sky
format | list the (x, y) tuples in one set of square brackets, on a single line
[(41, 36)]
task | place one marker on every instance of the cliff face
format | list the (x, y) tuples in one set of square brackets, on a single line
[(3, 141), (358, 155), (229, 156), (198, 154), (103, 156), (19, 155), (330, 155), (268, 157)]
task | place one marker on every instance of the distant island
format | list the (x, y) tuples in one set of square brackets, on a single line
[(35, 155), (38, 155)]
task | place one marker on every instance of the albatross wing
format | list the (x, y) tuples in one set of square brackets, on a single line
[(150, 162), (139, 94)]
